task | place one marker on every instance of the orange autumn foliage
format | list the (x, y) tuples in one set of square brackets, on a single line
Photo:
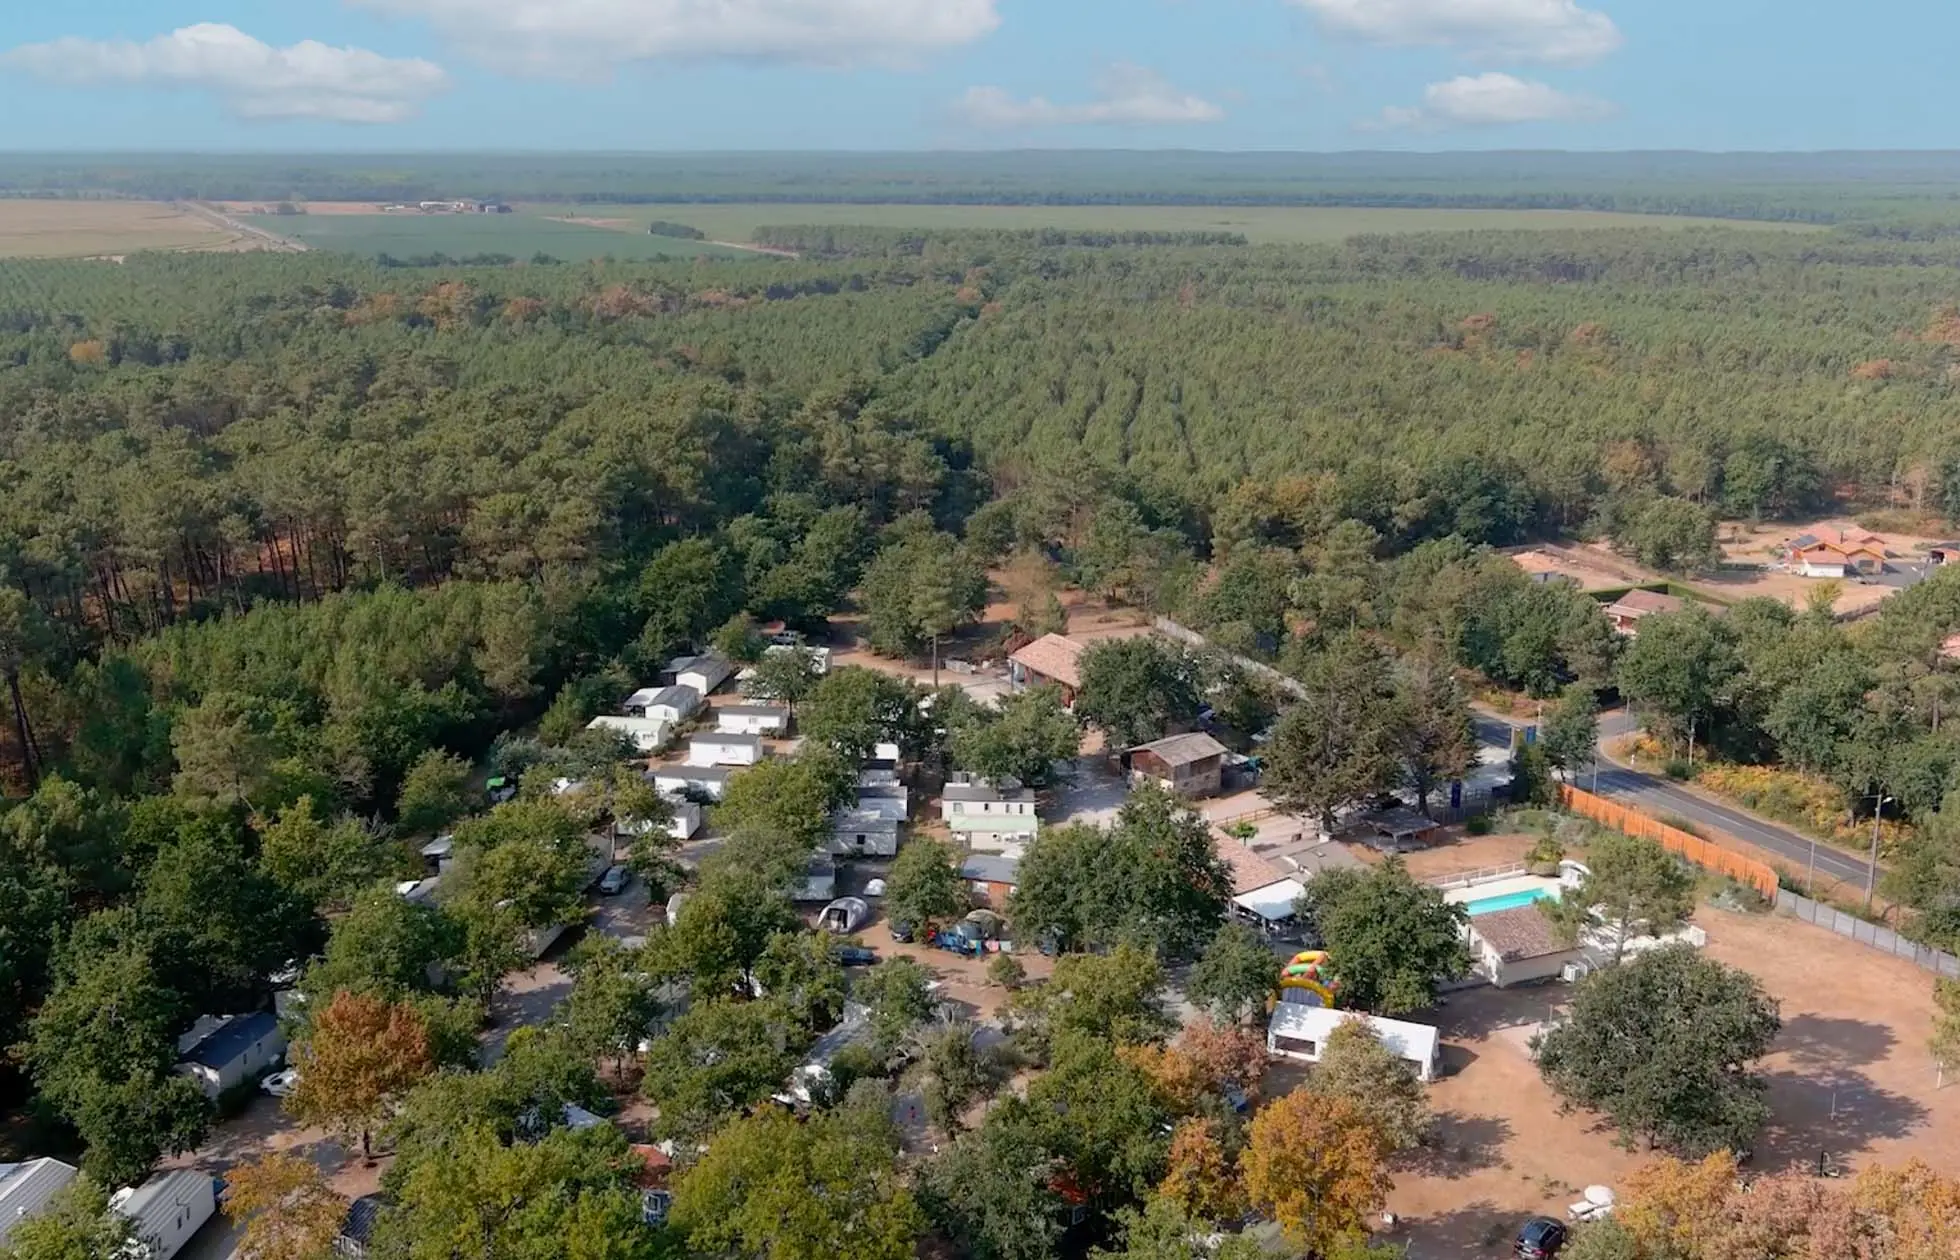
[(1314, 1164)]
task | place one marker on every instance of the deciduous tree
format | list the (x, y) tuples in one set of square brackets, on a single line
[(1357, 1066), (1665, 1046), (1136, 690), (361, 1056), (1314, 1164), (771, 1185), (1022, 741), (1236, 974), (924, 888), (1390, 939), (288, 1210)]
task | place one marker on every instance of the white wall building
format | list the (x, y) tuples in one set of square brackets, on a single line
[(223, 1052), (752, 719), (713, 748), (708, 781), (987, 818), (672, 705), (649, 734), (701, 674), (166, 1210), (1298, 1031)]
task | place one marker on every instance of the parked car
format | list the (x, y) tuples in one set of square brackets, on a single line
[(856, 955), (902, 932), (614, 881), (281, 1083), (1539, 1238)]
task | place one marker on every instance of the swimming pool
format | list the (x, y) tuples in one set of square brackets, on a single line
[(1509, 901)]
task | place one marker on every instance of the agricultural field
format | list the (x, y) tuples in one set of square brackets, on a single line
[(468, 235), (31, 228), (1260, 224)]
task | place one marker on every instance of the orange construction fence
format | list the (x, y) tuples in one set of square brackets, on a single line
[(1759, 875)]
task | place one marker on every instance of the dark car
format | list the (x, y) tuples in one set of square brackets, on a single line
[(1539, 1239), (614, 881), (902, 933), (855, 955)]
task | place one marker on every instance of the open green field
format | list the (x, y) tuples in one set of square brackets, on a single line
[(1260, 224), (468, 235)]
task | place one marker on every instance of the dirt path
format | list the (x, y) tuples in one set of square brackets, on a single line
[(271, 240)]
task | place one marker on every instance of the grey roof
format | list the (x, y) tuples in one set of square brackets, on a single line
[(864, 820), (363, 1214), (26, 1188), (984, 792), (160, 1196), (707, 662), (992, 868), (694, 774), (1183, 750), (230, 1041), (756, 710), (725, 739), (673, 697)]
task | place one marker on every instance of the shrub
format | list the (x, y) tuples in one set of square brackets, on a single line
[(1678, 770), (1477, 824)]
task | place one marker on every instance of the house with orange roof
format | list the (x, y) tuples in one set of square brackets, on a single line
[(1847, 555), (1051, 659)]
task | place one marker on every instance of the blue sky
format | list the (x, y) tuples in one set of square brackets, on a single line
[(909, 74)]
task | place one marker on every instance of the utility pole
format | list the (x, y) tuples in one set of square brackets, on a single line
[(1871, 872)]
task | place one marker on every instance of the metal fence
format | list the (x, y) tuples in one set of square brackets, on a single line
[(1880, 938)]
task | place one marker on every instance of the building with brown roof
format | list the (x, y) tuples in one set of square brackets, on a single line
[(1189, 765), (1626, 612), (1051, 659), (1519, 946)]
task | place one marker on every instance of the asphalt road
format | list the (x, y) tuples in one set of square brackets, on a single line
[(1662, 796)]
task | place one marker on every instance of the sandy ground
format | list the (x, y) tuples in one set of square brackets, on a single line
[(1850, 1075), (1596, 567), (84, 229)]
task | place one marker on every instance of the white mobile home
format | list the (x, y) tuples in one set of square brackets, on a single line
[(701, 674), (869, 828), (25, 1190), (672, 705), (649, 734), (1298, 1031), (708, 781), (712, 748), (752, 719), (224, 1052), (988, 818), (166, 1210)]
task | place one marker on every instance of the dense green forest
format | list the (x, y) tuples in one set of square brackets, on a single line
[(293, 546), (1901, 190)]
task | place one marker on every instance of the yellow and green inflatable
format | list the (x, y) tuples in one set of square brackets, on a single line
[(1309, 974)]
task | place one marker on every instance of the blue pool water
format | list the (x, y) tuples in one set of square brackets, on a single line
[(1509, 901)]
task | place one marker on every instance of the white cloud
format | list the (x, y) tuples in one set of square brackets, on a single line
[(1492, 100), (571, 38), (1506, 30), (254, 79), (1126, 95)]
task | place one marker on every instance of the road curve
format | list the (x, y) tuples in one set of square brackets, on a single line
[(1658, 795)]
